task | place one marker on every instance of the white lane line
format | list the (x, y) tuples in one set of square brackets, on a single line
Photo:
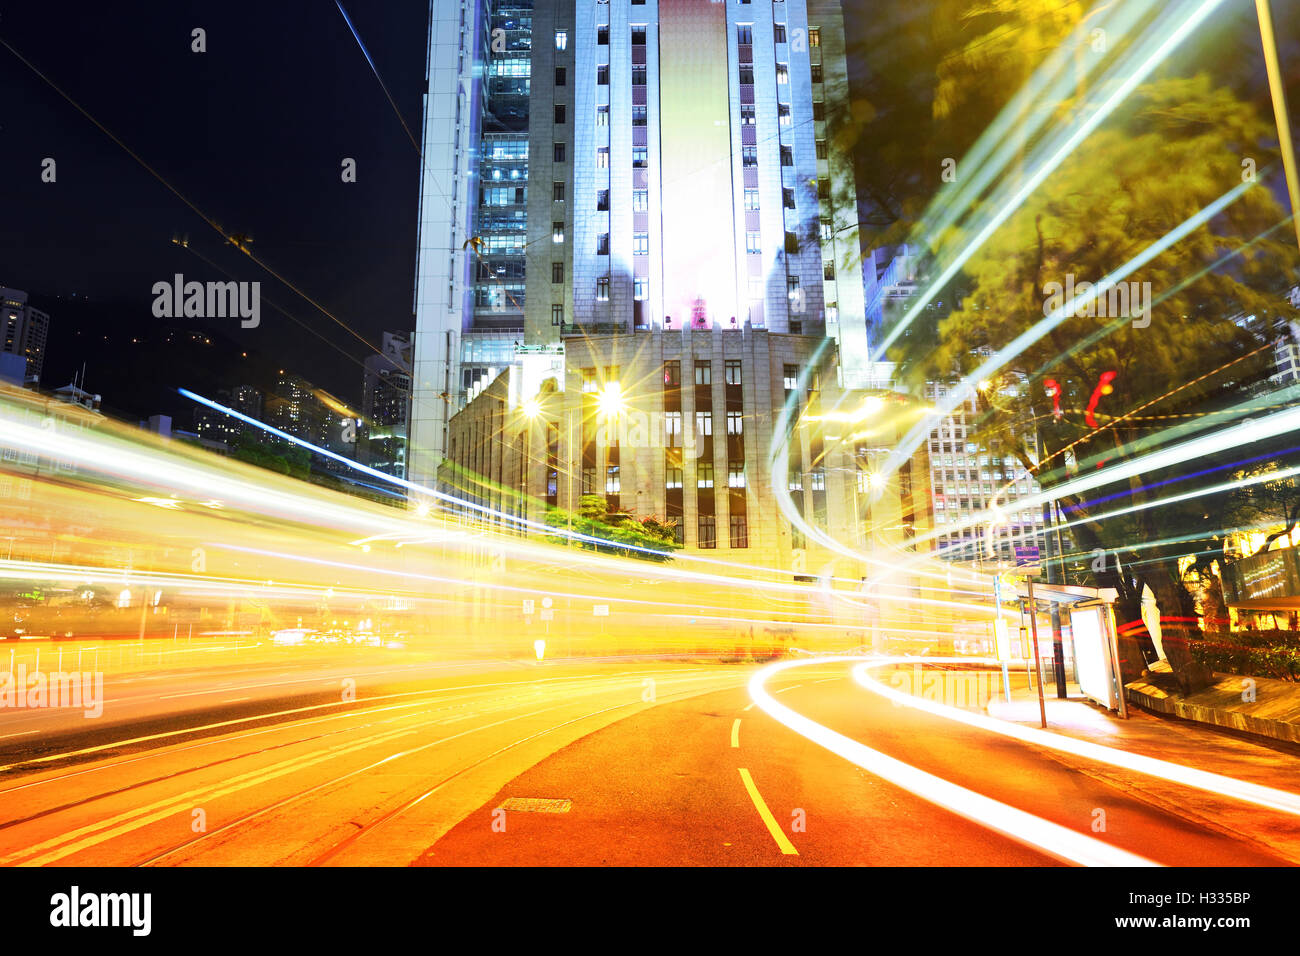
[(791, 687), (749, 707), (235, 700), (735, 733), (1039, 834), (787, 848), (1151, 766), (25, 733)]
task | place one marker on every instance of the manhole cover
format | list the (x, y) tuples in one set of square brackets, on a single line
[(537, 805)]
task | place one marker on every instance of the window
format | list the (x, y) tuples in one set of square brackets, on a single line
[(787, 155), (791, 243), (782, 73), (816, 72), (736, 474), (557, 232), (778, 33), (735, 423), (602, 35), (602, 157), (673, 429), (704, 474), (814, 36), (673, 476), (560, 76), (787, 198), (746, 76), (557, 192), (612, 480), (818, 477), (751, 199), (783, 114), (588, 480), (640, 157), (639, 115), (739, 532), (602, 200), (638, 36), (602, 115), (823, 189), (559, 152), (640, 200), (708, 531), (640, 288), (747, 115), (559, 114), (589, 383), (641, 244), (790, 377), (819, 110), (602, 245), (561, 39), (602, 289), (638, 76), (602, 75), (821, 149), (733, 373), (753, 243), (557, 272), (673, 376), (557, 315), (704, 373), (704, 424), (745, 34), (749, 155)]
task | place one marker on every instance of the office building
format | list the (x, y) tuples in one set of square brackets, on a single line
[(386, 406), (24, 330), (627, 167)]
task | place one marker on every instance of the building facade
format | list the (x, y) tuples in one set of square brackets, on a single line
[(24, 331), (627, 166), (386, 406), (691, 427)]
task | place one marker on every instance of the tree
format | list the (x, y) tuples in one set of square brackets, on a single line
[(1174, 149)]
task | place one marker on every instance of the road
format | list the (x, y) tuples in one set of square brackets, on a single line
[(648, 761)]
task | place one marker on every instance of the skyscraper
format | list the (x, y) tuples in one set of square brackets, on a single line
[(624, 167)]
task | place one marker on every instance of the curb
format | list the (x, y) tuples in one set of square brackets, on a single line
[(1152, 698)]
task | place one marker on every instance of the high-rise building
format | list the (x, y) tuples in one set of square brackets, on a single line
[(386, 406), (627, 167), (24, 330)]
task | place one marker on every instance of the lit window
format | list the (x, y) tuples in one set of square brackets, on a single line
[(815, 36), (704, 424), (557, 232), (783, 114), (602, 157), (561, 39), (673, 429), (602, 115), (735, 424), (751, 199), (640, 288), (640, 200), (704, 474), (641, 244), (736, 474), (602, 289), (782, 73)]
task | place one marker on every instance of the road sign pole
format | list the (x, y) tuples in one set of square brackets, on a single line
[(1038, 661)]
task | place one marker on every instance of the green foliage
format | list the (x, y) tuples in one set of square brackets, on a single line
[(1271, 653), (647, 539)]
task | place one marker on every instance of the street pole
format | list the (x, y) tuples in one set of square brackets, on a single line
[(1279, 110), (1038, 661)]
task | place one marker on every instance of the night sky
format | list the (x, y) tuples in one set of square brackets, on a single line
[(253, 133)]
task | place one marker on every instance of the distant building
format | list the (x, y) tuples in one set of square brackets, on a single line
[(76, 395), (386, 406), (24, 330), (215, 426), (293, 407)]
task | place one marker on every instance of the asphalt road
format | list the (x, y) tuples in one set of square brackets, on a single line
[(520, 763)]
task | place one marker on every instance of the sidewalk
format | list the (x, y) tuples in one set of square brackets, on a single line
[(1274, 711), (1177, 741)]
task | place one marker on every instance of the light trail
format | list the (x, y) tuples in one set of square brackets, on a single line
[(1214, 783), (1025, 828)]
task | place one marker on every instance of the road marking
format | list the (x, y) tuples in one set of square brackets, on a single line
[(235, 700), (772, 827), (748, 706), (735, 733), (791, 687)]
